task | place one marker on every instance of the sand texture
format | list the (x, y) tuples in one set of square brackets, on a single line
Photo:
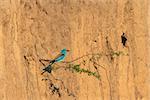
[(35, 29)]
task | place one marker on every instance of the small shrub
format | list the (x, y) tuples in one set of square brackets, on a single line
[(78, 69), (117, 53)]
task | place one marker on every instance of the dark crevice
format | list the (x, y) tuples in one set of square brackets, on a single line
[(56, 90), (26, 60), (109, 50), (40, 7), (27, 76)]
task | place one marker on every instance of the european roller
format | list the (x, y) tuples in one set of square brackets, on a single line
[(60, 57)]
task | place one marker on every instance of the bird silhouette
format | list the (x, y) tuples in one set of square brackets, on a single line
[(60, 57), (123, 39)]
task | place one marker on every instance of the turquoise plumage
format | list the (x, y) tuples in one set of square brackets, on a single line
[(61, 56), (58, 58)]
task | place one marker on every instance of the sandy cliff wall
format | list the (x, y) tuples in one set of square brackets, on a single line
[(34, 29)]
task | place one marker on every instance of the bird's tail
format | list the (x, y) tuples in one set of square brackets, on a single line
[(52, 61), (48, 68)]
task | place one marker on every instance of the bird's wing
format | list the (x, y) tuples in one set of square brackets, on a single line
[(59, 55)]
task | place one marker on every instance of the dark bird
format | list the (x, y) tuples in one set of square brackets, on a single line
[(123, 39)]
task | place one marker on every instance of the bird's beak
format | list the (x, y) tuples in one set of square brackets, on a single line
[(67, 50)]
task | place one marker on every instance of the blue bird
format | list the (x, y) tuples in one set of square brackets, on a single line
[(60, 57)]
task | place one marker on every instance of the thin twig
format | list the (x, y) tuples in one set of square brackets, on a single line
[(80, 58), (105, 71)]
